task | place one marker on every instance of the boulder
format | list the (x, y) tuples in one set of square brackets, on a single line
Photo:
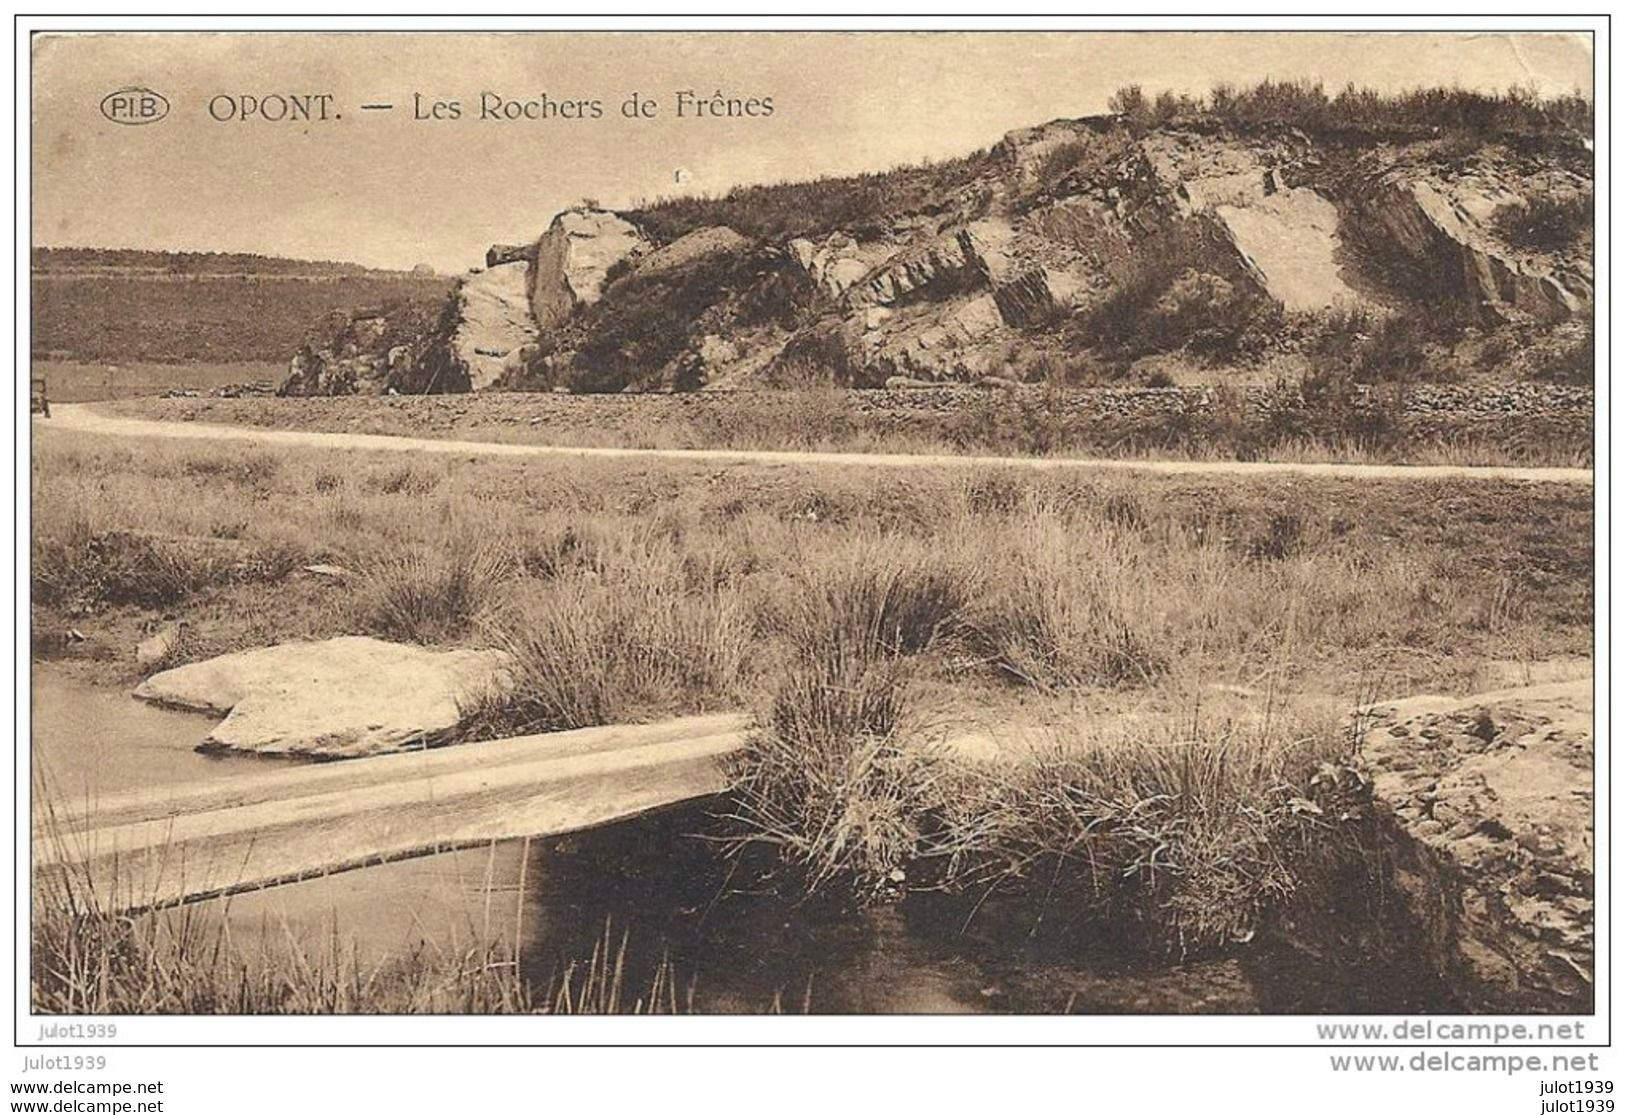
[(692, 248), (336, 699), (940, 264), (1487, 803), (840, 261), (1288, 241), (1025, 291), (493, 323), (498, 254), (573, 259)]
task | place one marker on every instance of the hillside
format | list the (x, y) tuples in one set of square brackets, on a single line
[(128, 306), (1438, 235)]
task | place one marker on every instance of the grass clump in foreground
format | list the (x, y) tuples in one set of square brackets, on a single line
[(428, 594), (1180, 842), (1177, 837), (615, 631), (827, 782), (1169, 843)]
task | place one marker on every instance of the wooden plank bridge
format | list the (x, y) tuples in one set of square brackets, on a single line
[(164, 846)]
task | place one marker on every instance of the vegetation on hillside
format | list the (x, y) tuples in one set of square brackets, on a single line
[(648, 317), (1167, 286), (1178, 290), (862, 204), (1306, 105), (1545, 222), (113, 306)]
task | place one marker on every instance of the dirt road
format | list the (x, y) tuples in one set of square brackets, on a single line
[(83, 418)]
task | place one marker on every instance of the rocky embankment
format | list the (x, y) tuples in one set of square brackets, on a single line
[(1078, 243), (1530, 422), (1488, 805)]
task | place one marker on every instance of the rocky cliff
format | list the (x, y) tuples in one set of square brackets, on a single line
[(1080, 249)]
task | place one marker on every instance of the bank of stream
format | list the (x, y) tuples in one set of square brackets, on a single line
[(658, 886)]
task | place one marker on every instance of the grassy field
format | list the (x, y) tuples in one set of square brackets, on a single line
[(1175, 653), (154, 315), (1529, 425), (1223, 578)]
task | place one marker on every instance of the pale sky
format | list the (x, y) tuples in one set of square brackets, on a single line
[(379, 188)]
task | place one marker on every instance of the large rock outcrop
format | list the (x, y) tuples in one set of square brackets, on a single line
[(1287, 238), (493, 323), (337, 699), (1100, 243), (573, 259), (1488, 802), (1444, 225)]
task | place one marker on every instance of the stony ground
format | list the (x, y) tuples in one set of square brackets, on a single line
[(1491, 803), (1531, 424)]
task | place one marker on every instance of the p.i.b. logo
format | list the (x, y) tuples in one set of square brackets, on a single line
[(135, 105)]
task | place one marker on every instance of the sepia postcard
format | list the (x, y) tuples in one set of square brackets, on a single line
[(1092, 527)]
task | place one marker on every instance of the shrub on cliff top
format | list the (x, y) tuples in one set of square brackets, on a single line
[(1306, 105), (857, 204), (1546, 222)]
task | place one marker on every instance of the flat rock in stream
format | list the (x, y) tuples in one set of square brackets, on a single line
[(336, 699)]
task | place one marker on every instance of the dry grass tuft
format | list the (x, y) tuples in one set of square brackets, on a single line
[(1180, 843), (618, 639), (1067, 609), (827, 784), (429, 594)]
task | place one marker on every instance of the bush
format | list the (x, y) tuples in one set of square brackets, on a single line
[(833, 783), (1052, 619), (1209, 316), (646, 320), (1174, 845), (1306, 105), (1545, 223), (429, 594), (622, 637), (1370, 348), (89, 568), (1171, 293), (1573, 363)]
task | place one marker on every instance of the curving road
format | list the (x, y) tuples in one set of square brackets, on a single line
[(82, 417)]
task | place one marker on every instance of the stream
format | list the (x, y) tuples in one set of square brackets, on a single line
[(652, 884)]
